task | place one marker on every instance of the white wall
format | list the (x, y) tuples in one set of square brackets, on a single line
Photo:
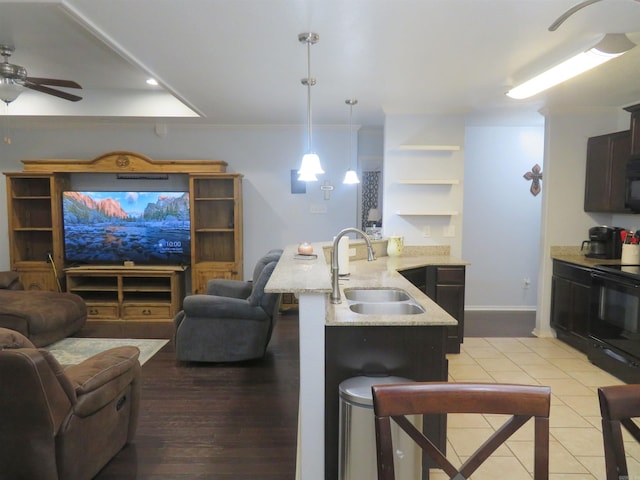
[(501, 216), (273, 217), (402, 165), (564, 221)]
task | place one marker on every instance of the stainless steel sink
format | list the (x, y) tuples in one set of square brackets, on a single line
[(376, 295), (390, 308), (381, 301)]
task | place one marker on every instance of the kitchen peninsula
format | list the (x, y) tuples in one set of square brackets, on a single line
[(337, 343)]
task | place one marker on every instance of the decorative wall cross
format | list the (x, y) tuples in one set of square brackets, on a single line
[(535, 175)]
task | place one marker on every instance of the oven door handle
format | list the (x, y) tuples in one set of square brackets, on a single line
[(620, 280)]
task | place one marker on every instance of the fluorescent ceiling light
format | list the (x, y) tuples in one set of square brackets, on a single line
[(611, 46)]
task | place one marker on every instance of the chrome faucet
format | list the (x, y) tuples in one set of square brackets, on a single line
[(335, 293)]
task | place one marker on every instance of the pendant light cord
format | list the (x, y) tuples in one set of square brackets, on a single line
[(310, 82), (350, 102)]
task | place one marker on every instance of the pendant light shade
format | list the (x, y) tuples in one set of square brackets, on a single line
[(310, 166), (351, 177)]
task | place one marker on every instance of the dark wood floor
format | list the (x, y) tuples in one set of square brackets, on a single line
[(222, 421), (217, 421)]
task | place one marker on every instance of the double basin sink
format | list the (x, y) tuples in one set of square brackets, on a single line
[(381, 301)]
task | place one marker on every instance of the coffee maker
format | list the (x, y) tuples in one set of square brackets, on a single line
[(604, 242)]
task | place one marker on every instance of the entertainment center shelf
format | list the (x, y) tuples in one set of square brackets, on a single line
[(114, 291), (128, 293)]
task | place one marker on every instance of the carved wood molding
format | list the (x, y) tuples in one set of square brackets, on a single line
[(122, 162)]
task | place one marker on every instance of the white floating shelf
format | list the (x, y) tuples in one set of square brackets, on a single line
[(435, 148), (427, 214), (450, 181)]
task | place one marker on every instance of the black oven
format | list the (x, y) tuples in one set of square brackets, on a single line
[(614, 323)]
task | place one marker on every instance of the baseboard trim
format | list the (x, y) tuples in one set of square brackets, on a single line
[(500, 308), (499, 323)]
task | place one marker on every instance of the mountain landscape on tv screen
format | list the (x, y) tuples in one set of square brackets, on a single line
[(108, 227)]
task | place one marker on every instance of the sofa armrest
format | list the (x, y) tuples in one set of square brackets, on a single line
[(99, 379), (212, 306), (10, 280), (223, 287), (13, 339)]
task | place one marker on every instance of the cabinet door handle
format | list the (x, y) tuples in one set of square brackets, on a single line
[(146, 312), (93, 311)]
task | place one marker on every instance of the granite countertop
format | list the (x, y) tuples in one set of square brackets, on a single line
[(314, 276), (573, 255)]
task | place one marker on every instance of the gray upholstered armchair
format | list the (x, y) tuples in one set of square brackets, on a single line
[(232, 322)]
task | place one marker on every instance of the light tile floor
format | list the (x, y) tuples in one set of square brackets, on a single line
[(576, 451)]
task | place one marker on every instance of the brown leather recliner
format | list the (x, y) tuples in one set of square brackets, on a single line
[(64, 423), (42, 316)]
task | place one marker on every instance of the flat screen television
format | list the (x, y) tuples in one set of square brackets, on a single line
[(151, 228)]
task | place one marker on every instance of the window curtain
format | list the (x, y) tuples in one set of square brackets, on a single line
[(370, 194)]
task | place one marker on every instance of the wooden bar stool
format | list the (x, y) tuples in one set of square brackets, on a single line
[(522, 402), (619, 404)]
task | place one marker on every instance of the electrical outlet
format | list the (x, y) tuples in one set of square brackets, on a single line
[(526, 282), (426, 231)]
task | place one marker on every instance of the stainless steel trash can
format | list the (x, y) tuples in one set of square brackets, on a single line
[(357, 439)]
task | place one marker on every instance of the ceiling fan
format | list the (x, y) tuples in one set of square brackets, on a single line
[(13, 77), (561, 19)]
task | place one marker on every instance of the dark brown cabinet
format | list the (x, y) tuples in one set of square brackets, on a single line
[(444, 284), (635, 129), (570, 303), (605, 180)]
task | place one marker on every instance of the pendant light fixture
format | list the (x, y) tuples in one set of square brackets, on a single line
[(351, 176), (310, 166)]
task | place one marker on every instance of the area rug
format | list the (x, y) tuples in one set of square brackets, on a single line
[(71, 351)]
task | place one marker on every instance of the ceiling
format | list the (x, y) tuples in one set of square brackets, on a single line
[(239, 62)]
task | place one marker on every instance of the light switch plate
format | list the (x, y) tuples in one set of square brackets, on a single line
[(318, 208), (449, 231)]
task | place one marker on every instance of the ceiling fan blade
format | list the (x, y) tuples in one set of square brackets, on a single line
[(51, 91), (560, 20), (54, 82)]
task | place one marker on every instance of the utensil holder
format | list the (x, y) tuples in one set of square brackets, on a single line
[(630, 254)]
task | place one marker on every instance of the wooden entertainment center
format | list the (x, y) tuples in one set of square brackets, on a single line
[(124, 292)]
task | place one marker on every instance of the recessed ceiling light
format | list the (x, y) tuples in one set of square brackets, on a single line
[(152, 81)]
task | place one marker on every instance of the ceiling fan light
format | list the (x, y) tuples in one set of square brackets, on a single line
[(9, 90), (611, 46), (351, 177)]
